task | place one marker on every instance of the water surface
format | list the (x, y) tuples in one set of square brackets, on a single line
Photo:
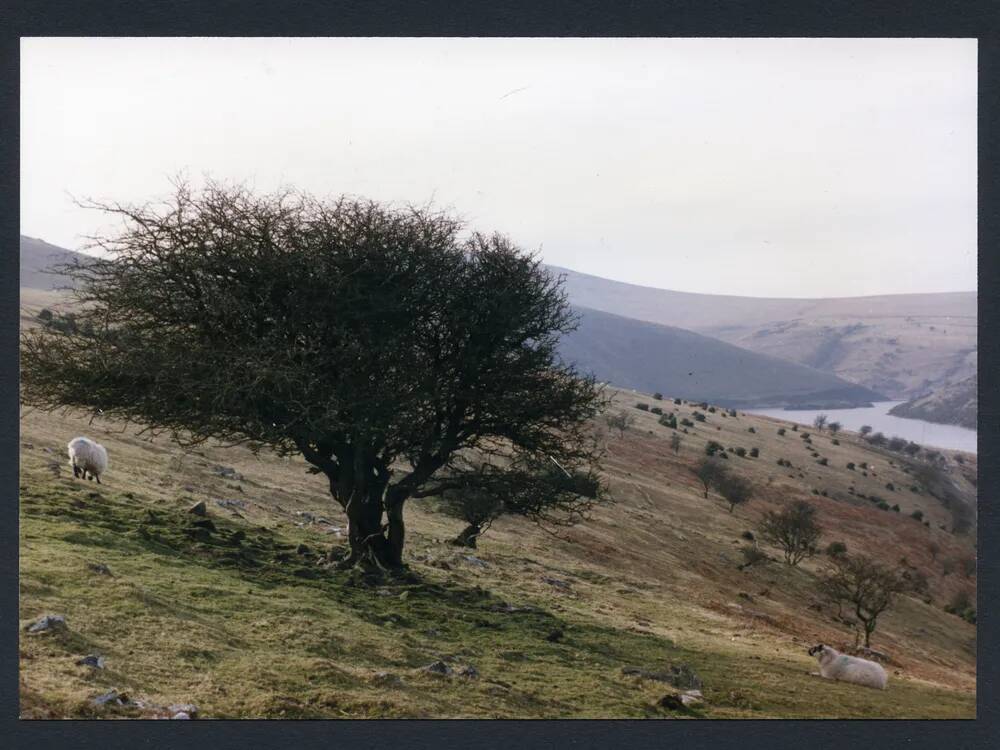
[(917, 430)]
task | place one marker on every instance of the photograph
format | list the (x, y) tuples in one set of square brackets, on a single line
[(497, 378)]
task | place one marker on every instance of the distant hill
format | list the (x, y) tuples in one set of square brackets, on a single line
[(900, 345), (650, 357), (36, 257), (953, 404)]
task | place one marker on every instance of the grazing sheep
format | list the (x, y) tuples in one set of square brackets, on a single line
[(834, 665), (87, 456)]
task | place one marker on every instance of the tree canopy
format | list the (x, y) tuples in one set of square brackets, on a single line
[(866, 585), (378, 342), (794, 530)]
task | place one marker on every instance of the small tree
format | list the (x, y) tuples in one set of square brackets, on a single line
[(820, 422), (836, 549), (658, 396), (620, 421), (866, 585), (542, 491), (877, 438), (735, 490), (865, 429), (675, 442), (710, 473), (834, 427), (794, 530), (668, 420)]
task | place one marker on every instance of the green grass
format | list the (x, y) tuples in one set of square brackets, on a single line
[(252, 628)]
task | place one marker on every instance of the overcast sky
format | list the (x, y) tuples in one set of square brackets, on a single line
[(759, 167)]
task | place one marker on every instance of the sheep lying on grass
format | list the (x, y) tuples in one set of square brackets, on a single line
[(87, 457), (834, 665)]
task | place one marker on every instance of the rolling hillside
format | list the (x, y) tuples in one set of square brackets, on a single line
[(952, 404), (37, 256), (650, 357), (242, 619), (899, 345)]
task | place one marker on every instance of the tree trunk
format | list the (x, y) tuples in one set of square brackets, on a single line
[(374, 543), (468, 536)]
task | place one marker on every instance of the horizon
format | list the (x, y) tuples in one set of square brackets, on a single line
[(766, 168)]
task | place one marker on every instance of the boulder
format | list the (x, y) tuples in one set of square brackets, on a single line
[(198, 508), (46, 624), (91, 660), (439, 668), (692, 698)]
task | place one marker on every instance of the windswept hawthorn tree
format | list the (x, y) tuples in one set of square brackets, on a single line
[(380, 343)]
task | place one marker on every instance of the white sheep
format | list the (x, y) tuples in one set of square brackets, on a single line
[(87, 456), (834, 665)]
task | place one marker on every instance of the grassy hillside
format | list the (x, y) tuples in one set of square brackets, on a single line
[(952, 404), (243, 621), (901, 345), (37, 257), (652, 357)]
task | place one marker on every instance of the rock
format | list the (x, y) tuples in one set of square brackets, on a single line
[(99, 568), (91, 660), (199, 508), (671, 702), (28, 446), (112, 697), (387, 679), (230, 504), (189, 709), (181, 715), (469, 671), (555, 636), (303, 549), (47, 623), (692, 698), (438, 667), (558, 583), (227, 471), (473, 560), (679, 675)]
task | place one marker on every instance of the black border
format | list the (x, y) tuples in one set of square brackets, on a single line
[(630, 18)]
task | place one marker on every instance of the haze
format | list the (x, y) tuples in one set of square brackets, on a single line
[(794, 168)]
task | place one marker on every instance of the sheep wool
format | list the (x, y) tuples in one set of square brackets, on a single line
[(834, 665), (87, 456)]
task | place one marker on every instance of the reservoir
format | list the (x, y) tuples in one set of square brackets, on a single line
[(917, 430)]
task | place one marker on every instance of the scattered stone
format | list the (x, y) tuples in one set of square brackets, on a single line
[(198, 508), (473, 560), (189, 709), (230, 504), (46, 624), (438, 667), (679, 675), (227, 471), (692, 698), (671, 702), (555, 636), (387, 679), (99, 568), (91, 660), (112, 697), (181, 715), (470, 671), (558, 583)]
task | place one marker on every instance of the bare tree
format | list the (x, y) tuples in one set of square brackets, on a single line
[(620, 421), (794, 530), (863, 583), (675, 442), (736, 491), (820, 422), (710, 472)]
